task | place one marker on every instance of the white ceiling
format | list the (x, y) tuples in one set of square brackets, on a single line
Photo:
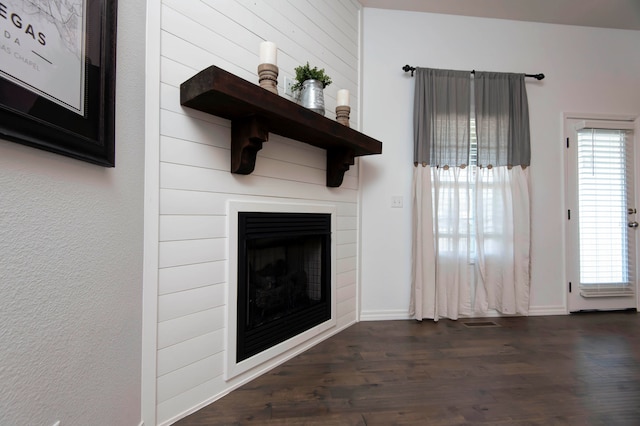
[(621, 14)]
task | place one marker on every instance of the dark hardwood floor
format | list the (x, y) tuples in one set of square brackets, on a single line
[(582, 369)]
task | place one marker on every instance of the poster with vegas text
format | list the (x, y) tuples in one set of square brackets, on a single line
[(42, 48)]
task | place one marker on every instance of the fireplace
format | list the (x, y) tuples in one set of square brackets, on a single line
[(283, 277)]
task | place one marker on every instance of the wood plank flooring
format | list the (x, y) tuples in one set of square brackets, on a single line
[(582, 369)]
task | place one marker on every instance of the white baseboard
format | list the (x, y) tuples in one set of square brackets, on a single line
[(535, 311), (385, 315), (400, 314)]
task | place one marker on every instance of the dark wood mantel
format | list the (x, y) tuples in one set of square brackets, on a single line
[(255, 112)]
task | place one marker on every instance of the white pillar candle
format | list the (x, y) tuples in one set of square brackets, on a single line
[(268, 53), (343, 97)]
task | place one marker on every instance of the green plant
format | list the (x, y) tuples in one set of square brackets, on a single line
[(305, 72)]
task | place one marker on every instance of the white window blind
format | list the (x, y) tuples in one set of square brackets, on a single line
[(604, 187)]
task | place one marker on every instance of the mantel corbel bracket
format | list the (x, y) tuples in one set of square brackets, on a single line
[(247, 136), (338, 162)]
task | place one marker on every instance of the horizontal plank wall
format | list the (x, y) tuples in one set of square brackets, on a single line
[(195, 182)]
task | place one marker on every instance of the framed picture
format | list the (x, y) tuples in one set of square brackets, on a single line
[(57, 76)]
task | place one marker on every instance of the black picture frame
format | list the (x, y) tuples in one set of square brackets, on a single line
[(28, 118)]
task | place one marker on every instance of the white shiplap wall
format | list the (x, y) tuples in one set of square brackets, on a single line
[(195, 183)]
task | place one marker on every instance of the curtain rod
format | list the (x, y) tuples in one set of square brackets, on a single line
[(408, 68)]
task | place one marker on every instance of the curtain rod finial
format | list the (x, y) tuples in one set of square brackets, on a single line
[(408, 68)]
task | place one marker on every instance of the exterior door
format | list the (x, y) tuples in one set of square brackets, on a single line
[(601, 215)]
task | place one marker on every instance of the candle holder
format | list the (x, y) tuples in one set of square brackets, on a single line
[(342, 114), (268, 77)]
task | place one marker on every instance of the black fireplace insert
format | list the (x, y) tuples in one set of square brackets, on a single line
[(284, 274)]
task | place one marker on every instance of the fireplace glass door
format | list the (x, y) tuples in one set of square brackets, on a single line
[(283, 277)]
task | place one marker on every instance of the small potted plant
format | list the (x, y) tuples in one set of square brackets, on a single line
[(310, 83), (305, 72)]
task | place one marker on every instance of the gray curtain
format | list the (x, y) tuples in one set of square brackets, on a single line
[(442, 108), (502, 119), (441, 114)]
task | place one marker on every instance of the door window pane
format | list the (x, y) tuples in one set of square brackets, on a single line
[(603, 186)]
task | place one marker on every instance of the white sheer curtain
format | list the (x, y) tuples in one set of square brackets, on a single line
[(442, 262), (470, 196), (503, 234)]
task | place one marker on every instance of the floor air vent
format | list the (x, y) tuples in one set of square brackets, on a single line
[(480, 324)]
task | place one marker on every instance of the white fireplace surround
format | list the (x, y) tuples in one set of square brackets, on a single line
[(233, 368)]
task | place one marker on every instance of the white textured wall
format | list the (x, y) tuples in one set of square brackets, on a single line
[(588, 70), (195, 182), (71, 269)]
